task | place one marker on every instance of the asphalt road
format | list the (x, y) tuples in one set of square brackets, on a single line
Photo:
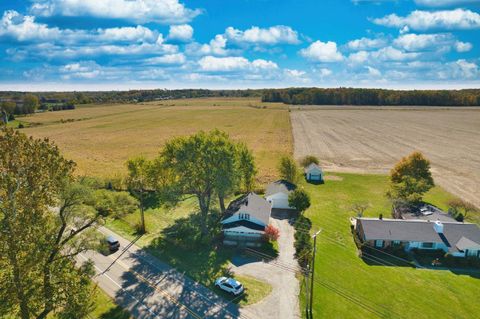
[(149, 288)]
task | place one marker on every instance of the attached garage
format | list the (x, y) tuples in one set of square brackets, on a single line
[(279, 200), (277, 194)]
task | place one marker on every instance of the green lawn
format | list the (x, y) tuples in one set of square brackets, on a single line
[(173, 236), (350, 288), (107, 309)]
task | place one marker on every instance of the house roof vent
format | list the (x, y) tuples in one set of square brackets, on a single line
[(438, 226)]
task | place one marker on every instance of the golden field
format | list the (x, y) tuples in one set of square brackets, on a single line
[(101, 138)]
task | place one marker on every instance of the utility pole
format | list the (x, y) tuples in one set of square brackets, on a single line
[(307, 299), (313, 270)]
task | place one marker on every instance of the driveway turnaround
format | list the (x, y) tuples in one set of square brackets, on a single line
[(149, 288), (280, 273)]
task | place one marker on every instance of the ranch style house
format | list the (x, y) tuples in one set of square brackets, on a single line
[(454, 238)]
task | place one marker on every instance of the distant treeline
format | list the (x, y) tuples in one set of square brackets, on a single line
[(130, 96), (351, 96), (29, 102)]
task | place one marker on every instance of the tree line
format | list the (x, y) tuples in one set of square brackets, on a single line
[(353, 96)]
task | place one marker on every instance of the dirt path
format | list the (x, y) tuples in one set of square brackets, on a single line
[(373, 140), (282, 303)]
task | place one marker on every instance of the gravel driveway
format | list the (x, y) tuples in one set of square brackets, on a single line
[(282, 303)]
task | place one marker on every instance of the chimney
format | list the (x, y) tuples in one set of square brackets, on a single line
[(438, 226)]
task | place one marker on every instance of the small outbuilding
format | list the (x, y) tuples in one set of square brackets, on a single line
[(313, 173), (277, 194)]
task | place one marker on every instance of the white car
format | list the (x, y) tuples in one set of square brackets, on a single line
[(425, 211), (229, 285)]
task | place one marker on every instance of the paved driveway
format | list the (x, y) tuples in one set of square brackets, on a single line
[(282, 303)]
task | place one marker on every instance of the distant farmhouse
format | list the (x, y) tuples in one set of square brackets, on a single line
[(454, 238), (277, 194), (245, 220), (313, 173)]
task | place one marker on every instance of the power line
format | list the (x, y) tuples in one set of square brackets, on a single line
[(384, 262), (352, 298)]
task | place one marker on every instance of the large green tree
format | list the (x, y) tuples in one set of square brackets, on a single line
[(46, 220), (204, 165), (30, 103), (410, 179)]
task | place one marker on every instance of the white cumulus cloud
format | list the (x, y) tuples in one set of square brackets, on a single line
[(216, 46), (279, 34), (227, 64), (463, 46), (431, 42), (460, 69), (182, 32), (426, 20), (80, 70), (358, 57), (444, 3), (140, 11), (168, 59), (366, 43), (25, 29), (320, 51)]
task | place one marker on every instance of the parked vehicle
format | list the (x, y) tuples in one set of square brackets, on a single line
[(229, 285), (113, 244), (425, 211)]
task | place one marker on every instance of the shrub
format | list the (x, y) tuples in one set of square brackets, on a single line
[(299, 199), (303, 244), (309, 159), (271, 233)]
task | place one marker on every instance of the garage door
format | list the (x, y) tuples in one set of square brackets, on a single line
[(280, 203), (315, 177)]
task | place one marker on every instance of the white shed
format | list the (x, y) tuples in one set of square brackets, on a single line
[(314, 173)]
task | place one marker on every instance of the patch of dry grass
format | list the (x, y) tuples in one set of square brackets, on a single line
[(101, 138)]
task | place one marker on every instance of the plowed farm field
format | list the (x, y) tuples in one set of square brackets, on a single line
[(374, 139)]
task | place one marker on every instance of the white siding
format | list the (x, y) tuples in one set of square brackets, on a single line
[(419, 245), (279, 200)]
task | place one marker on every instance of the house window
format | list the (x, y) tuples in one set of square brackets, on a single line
[(427, 245), (379, 243), (396, 243), (244, 216)]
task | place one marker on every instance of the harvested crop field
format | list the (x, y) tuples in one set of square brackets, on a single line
[(101, 138), (374, 139)]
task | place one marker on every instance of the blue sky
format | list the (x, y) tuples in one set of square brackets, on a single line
[(127, 44)]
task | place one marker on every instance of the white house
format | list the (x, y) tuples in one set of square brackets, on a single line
[(454, 238), (245, 220), (277, 194), (313, 173)]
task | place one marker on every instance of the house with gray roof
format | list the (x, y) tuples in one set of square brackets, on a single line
[(454, 238), (245, 220), (277, 194)]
